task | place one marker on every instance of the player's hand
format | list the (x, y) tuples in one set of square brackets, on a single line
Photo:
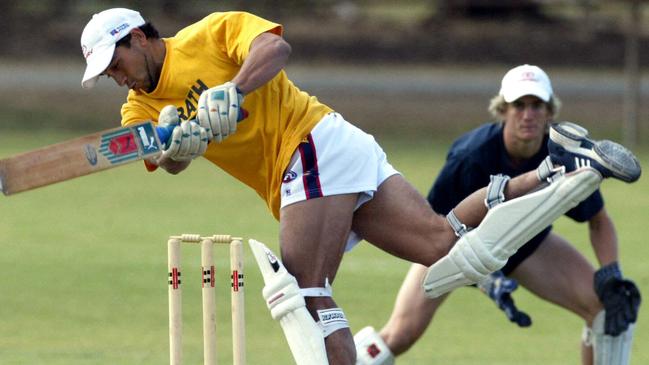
[(499, 288), (219, 110), (168, 119), (620, 297), (188, 139)]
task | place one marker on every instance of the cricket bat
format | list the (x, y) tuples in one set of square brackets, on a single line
[(81, 156)]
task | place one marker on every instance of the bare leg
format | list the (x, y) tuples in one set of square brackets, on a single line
[(558, 273), (412, 313), (401, 222), (313, 234), (472, 209)]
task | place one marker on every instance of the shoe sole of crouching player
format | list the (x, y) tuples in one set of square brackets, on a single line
[(570, 146)]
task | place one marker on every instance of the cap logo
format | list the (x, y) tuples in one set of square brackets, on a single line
[(118, 29), (528, 76), (86, 52)]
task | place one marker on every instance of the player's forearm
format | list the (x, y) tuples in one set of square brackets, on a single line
[(268, 55), (603, 238)]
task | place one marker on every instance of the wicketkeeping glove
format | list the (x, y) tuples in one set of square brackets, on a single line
[(499, 288), (188, 139), (219, 110), (620, 297)]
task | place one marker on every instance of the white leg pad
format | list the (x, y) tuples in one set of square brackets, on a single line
[(505, 229), (371, 349), (608, 350), (286, 304)]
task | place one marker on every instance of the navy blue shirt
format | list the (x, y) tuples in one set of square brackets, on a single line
[(477, 155)]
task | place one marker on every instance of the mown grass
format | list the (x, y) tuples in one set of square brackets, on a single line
[(84, 271)]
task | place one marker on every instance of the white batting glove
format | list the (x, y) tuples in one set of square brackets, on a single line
[(219, 109), (188, 139)]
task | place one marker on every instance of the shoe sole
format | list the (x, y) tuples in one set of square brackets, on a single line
[(619, 160)]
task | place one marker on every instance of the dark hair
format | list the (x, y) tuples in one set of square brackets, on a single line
[(149, 31)]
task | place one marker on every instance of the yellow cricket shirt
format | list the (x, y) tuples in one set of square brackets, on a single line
[(209, 53)]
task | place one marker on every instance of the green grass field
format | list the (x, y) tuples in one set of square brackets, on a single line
[(84, 271)]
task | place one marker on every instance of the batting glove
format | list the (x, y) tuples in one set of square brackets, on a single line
[(168, 119), (499, 288), (219, 110), (188, 139), (620, 297)]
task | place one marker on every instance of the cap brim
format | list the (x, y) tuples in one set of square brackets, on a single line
[(533, 89), (96, 64)]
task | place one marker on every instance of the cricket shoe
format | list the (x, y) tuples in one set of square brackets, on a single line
[(570, 146)]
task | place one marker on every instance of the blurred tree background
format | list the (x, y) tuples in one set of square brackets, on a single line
[(596, 36), (584, 32)]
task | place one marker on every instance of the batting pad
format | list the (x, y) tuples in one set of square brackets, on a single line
[(609, 350), (506, 228), (287, 306)]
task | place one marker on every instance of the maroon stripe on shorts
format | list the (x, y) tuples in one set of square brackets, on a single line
[(310, 173)]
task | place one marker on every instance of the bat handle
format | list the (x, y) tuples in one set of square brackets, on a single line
[(164, 133)]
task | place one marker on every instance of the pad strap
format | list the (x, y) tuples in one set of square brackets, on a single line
[(587, 336), (317, 292), (547, 172), (331, 320), (459, 228), (545, 169), (496, 190)]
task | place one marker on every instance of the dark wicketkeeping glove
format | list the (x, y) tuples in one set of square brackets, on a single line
[(499, 288), (620, 297)]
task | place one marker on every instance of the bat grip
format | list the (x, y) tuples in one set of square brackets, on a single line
[(164, 133)]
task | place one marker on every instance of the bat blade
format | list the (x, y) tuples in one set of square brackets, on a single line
[(78, 157)]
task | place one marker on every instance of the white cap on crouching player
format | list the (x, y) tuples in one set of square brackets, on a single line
[(99, 37), (526, 80)]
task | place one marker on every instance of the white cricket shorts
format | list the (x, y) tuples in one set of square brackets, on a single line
[(336, 158)]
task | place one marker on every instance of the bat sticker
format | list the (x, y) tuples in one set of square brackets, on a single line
[(91, 154), (125, 145), (118, 146), (148, 139)]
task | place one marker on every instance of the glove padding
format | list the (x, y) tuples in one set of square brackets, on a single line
[(499, 288), (219, 110), (188, 139), (620, 297)]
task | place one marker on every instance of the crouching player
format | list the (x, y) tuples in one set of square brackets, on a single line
[(547, 264)]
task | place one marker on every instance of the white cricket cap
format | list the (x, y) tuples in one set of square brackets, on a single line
[(99, 37), (526, 80)]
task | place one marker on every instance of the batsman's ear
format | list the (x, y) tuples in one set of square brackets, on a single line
[(138, 37)]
